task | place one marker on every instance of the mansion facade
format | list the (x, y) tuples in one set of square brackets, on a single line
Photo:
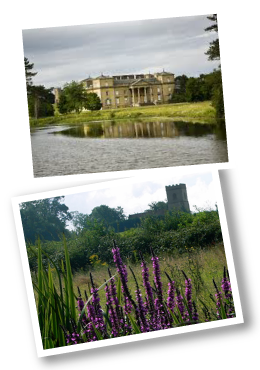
[(130, 90)]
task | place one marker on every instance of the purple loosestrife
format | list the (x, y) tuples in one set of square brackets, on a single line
[(89, 328), (113, 292), (226, 287), (66, 334), (80, 305), (99, 320), (218, 296), (147, 286), (121, 269), (157, 276), (188, 294), (170, 293), (75, 338), (112, 312), (161, 316), (141, 309), (195, 316), (180, 304)]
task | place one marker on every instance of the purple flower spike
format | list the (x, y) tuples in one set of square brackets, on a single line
[(121, 269)]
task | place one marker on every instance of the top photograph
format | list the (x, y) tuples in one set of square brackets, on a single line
[(125, 96)]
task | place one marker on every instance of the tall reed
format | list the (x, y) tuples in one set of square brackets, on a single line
[(125, 313)]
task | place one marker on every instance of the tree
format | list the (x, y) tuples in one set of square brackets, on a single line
[(156, 206), (63, 104), (79, 220), (180, 84), (214, 54), (107, 215), (28, 72), (74, 97), (194, 90), (213, 51), (40, 101), (93, 102), (44, 218)]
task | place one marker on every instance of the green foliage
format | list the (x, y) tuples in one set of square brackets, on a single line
[(28, 72), (217, 93), (107, 214), (156, 206), (178, 98), (73, 98), (44, 218), (213, 51), (40, 101), (93, 102), (62, 105), (180, 83), (199, 89), (176, 231)]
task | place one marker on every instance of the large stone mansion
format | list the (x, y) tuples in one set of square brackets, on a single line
[(130, 90)]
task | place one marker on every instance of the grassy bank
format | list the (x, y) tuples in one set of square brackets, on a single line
[(201, 112), (133, 304), (200, 265)]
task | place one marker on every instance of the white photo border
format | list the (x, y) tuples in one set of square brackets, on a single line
[(155, 173), (31, 180)]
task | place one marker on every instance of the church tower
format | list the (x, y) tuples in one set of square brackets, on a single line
[(177, 197)]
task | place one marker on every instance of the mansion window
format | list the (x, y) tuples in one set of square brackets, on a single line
[(169, 89), (126, 100), (117, 100), (106, 93), (108, 102), (159, 97), (168, 80), (106, 84), (159, 90), (117, 92)]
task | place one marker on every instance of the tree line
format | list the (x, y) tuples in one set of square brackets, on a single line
[(48, 219), (206, 86), (89, 243), (73, 96)]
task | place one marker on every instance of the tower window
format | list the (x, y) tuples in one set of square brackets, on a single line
[(174, 196)]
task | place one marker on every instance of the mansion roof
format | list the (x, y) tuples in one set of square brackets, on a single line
[(131, 80)]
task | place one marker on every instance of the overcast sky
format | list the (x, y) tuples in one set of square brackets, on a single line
[(135, 197), (63, 54)]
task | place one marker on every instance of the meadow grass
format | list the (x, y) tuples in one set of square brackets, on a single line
[(191, 286), (201, 112), (202, 266)]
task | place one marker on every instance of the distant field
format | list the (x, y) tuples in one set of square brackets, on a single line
[(199, 265), (200, 112)]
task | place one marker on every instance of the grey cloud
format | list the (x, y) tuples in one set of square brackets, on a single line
[(62, 54)]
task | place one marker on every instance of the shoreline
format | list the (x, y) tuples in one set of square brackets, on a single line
[(201, 113)]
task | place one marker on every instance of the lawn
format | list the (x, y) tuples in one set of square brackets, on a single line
[(201, 112)]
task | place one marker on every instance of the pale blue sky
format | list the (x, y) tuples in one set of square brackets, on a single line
[(134, 198), (63, 54)]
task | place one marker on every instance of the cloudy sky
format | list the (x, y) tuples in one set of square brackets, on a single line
[(63, 54), (135, 197)]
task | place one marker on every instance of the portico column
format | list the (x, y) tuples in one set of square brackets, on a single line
[(133, 96), (145, 95), (151, 93), (138, 91)]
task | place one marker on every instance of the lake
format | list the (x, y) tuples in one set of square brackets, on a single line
[(123, 145)]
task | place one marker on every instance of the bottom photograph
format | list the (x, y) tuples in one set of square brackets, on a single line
[(148, 256)]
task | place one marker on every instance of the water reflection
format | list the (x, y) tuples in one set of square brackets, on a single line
[(141, 129)]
